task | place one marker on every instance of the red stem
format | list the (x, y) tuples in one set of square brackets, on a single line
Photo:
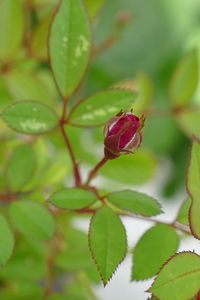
[(86, 211), (8, 197), (94, 171), (77, 176), (175, 225), (109, 42), (48, 288)]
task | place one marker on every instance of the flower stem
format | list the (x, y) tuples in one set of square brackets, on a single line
[(94, 171)]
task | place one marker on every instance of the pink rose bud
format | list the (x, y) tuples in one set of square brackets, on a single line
[(122, 134)]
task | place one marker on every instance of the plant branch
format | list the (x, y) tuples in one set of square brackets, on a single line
[(107, 44), (122, 19), (48, 287), (159, 112), (8, 197), (86, 211), (94, 171), (77, 176), (175, 225), (53, 250)]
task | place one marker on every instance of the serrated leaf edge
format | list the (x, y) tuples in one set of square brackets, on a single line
[(178, 213), (190, 194), (105, 282), (144, 279), (167, 261), (135, 213)]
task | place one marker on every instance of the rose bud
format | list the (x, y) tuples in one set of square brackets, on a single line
[(122, 134)]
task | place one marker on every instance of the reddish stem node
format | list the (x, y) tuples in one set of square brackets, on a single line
[(86, 211), (8, 197)]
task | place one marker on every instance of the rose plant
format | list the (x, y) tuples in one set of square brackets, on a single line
[(51, 147)]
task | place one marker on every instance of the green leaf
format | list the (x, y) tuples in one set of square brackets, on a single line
[(189, 122), (153, 249), (185, 79), (100, 107), (179, 278), (69, 45), (55, 172), (107, 240), (28, 262), (73, 198), (32, 219), (183, 213), (6, 240), (23, 289), (193, 180), (30, 117), (145, 94), (39, 38), (23, 85), (131, 169), (46, 79), (58, 297), (76, 255), (11, 27), (20, 167), (135, 202), (42, 158), (23, 266), (82, 288), (6, 99), (93, 7)]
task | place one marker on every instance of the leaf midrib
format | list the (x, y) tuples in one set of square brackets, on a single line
[(175, 278)]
